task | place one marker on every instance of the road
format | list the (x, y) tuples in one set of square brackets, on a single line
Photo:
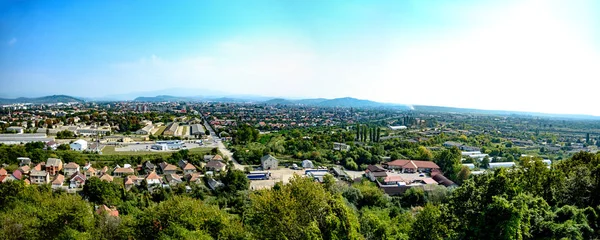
[(213, 137)]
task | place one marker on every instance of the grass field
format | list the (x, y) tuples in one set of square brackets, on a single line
[(110, 150), (160, 131)]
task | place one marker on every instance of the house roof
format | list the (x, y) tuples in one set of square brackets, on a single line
[(3, 172), (149, 165), (152, 176), (78, 177), (104, 209), (429, 181), (170, 167), (443, 180), (3, 177), (38, 167), (91, 170), (395, 178), (124, 170), (413, 164), (215, 164), (71, 165), (38, 173), (59, 180), (217, 157), (53, 162), (189, 166), (106, 177), (17, 174), (104, 169), (25, 168), (375, 168), (267, 157), (171, 177), (192, 177)]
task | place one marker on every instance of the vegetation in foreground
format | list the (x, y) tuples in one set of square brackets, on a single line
[(529, 202)]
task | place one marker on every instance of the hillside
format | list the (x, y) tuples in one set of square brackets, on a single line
[(163, 98), (336, 102), (39, 100)]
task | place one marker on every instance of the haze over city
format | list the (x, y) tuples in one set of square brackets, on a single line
[(540, 56)]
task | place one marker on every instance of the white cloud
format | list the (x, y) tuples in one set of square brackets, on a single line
[(531, 55), (12, 41)]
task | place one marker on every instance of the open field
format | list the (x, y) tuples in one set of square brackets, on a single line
[(160, 130)]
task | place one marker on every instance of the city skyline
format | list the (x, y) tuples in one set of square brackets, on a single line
[(538, 56)]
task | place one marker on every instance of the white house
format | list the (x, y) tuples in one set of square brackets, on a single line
[(269, 162), (79, 145)]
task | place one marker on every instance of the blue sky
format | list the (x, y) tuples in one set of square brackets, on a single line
[(531, 55)]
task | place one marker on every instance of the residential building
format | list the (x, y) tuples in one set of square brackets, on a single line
[(373, 172), (113, 212), (153, 179), (121, 172), (39, 177), (269, 162), (216, 166), (53, 166), (173, 179), (91, 172), (58, 182), (169, 169), (106, 177), (188, 169), (24, 161), (149, 167), (70, 169), (340, 146), (77, 180)]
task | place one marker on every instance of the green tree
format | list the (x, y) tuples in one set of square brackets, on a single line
[(449, 162), (429, 224)]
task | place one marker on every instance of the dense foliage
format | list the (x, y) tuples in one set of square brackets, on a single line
[(531, 201)]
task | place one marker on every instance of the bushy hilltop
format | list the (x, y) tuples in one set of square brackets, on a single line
[(39, 100)]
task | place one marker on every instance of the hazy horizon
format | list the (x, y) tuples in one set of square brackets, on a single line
[(531, 55)]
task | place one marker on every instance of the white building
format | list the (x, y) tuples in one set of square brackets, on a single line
[(13, 129), (79, 145), (501, 165), (269, 162), (145, 130)]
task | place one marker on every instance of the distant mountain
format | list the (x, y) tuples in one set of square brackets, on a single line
[(38, 100), (502, 112), (166, 98), (336, 102), (279, 101)]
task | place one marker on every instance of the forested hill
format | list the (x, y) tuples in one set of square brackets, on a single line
[(335, 102), (39, 100)]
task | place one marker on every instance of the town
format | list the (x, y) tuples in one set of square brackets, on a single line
[(210, 148)]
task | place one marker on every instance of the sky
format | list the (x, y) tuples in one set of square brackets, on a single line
[(522, 55)]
